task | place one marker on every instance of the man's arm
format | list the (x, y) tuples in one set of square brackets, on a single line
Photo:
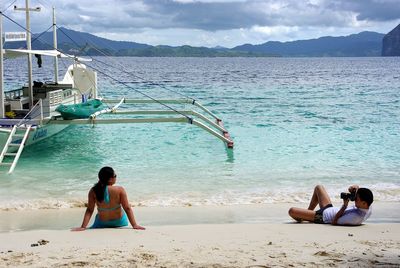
[(352, 189), (340, 212)]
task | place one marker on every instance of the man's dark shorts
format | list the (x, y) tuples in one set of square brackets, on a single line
[(318, 214)]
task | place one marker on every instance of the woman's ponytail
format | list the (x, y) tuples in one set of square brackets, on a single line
[(105, 174)]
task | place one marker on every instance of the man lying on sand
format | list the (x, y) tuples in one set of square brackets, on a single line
[(354, 215)]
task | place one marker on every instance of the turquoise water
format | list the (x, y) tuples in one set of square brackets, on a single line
[(296, 122)]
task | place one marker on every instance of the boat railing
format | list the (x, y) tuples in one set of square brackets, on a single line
[(35, 113), (32, 117), (14, 94)]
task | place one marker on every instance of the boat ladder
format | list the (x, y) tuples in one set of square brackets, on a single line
[(13, 156)]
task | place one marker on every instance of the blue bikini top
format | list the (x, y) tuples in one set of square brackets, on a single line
[(107, 201)]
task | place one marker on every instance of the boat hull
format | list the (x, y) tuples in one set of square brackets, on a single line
[(36, 134)]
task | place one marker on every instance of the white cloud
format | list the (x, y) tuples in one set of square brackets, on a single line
[(215, 22), (85, 18), (274, 30)]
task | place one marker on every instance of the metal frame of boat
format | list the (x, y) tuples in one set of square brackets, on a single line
[(34, 105)]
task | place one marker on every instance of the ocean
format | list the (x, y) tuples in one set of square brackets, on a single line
[(296, 122)]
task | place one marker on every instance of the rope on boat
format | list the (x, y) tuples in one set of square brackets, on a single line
[(190, 120), (144, 94), (8, 6), (123, 67), (37, 38), (42, 33)]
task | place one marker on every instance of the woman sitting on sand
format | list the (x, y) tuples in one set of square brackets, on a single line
[(110, 201)]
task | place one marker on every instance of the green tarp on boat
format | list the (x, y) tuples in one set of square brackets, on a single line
[(81, 110)]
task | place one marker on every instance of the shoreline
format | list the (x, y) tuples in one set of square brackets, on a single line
[(64, 219)]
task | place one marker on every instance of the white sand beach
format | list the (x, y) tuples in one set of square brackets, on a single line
[(207, 245), (241, 239)]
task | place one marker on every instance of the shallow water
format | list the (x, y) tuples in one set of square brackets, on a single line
[(296, 122)]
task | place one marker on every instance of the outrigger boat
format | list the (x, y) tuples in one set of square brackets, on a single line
[(35, 112)]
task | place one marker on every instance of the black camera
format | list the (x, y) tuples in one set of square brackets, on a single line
[(351, 196)]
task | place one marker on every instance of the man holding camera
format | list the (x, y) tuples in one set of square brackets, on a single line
[(354, 215)]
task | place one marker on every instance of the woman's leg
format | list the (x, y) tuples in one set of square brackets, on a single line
[(320, 197)]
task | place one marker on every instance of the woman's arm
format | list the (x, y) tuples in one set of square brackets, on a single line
[(88, 212), (129, 212)]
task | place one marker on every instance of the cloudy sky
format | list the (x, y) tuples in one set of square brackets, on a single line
[(212, 22)]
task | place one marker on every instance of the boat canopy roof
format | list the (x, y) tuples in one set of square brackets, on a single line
[(14, 53)]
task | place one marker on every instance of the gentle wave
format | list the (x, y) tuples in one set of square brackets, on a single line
[(388, 193), (41, 204)]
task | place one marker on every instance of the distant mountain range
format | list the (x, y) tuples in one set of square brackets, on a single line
[(81, 43), (355, 45)]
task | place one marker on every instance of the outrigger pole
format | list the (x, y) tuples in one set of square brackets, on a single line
[(228, 142), (214, 128), (217, 125)]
